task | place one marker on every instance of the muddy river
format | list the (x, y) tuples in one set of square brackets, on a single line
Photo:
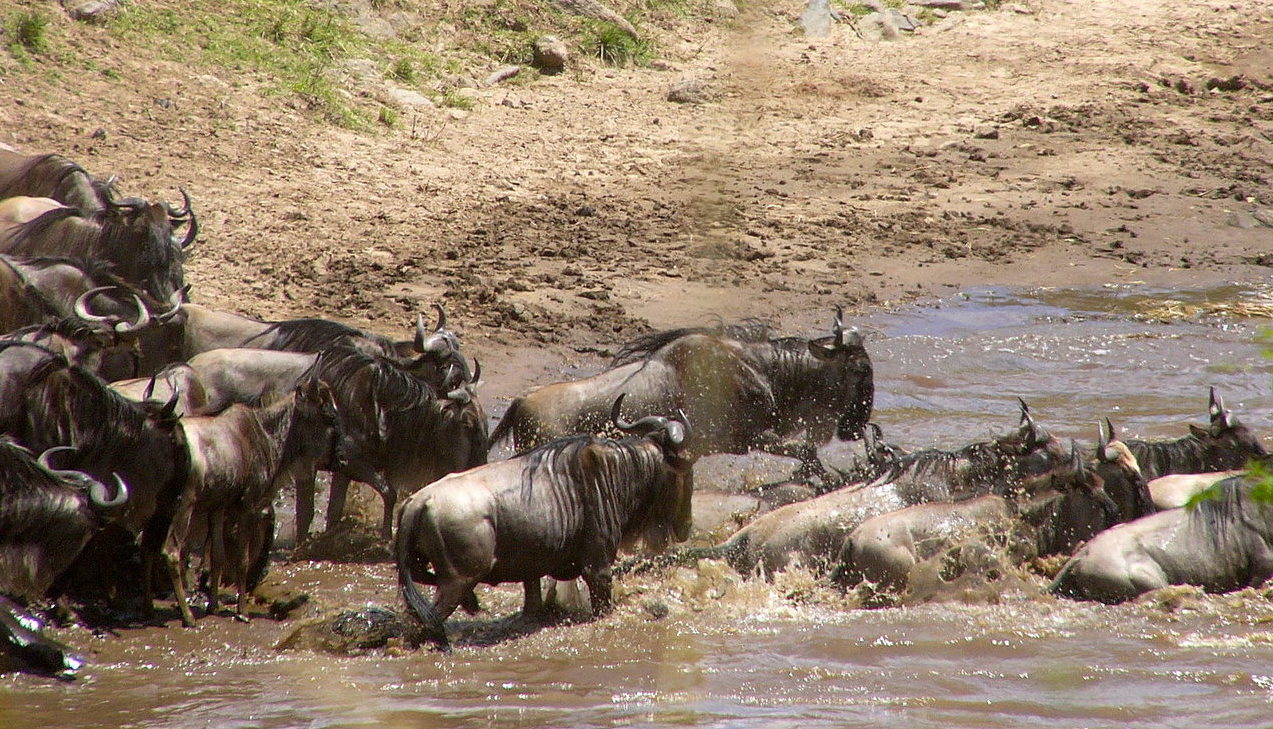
[(701, 647)]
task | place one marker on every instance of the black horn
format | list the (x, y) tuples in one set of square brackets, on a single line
[(143, 318), (837, 327), (441, 317)]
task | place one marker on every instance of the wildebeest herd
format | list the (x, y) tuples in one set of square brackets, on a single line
[(144, 440)]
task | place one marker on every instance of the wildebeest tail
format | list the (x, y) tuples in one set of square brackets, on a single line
[(420, 606), (507, 422)]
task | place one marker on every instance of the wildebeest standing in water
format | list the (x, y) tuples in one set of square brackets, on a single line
[(400, 434), (1225, 443), (61, 404), (742, 390), (562, 510), (239, 459), (1225, 543)]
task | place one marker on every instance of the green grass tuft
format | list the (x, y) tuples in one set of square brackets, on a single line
[(28, 32), (611, 45)]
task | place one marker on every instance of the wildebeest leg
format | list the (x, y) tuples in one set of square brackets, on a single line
[(533, 603), (176, 573), (305, 507), (336, 500), (449, 596), (216, 557), (470, 603), (600, 584), (389, 495)]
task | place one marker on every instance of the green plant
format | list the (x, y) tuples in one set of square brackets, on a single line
[(612, 45), (28, 31), (403, 70), (456, 100), (388, 117)]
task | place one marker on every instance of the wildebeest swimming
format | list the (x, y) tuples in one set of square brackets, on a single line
[(1225, 443), (742, 388), (1041, 516), (561, 510), (1223, 544)]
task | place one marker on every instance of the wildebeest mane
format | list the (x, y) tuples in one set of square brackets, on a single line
[(314, 335), (643, 347), (616, 490), (27, 489), (395, 390), (67, 405), (1186, 454)]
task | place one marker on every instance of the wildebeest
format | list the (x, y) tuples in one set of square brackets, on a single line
[(61, 404), (562, 510), (52, 176), (810, 533), (1223, 544), (1050, 513), (401, 433), (105, 352), (239, 459), (140, 245), (46, 518), (198, 329), (1175, 490), (742, 389), (1224, 444)]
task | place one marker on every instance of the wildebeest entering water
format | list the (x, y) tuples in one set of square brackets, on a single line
[(1225, 543), (1225, 443), (562, 510), (742, 388)]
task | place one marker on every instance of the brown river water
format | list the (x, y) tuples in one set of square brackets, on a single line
[(699, 646)]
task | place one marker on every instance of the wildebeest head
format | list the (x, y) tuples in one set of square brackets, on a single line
[(1225, 436), (674, 509), (435, 356), (850, 377), (1118, 469), (1069, 505), (1030, 450)]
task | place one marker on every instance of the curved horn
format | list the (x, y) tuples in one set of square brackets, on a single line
[(100, 497), (418, 342), (43, 460), (460, 395), (441, 317), (1106, 434), (170, 407), (81, 305), (150, 387), (178, 297), (616, 418), (143, 318), (837, 327), (477, 372), (192, 228), (182, 213)]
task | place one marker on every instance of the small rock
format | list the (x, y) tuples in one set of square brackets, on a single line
[(550, 54), (986, 131), (1265, 216), (503, 73), (586, 211), (690, 91), (657, 609), (409, 98), (725, 10), (1244, 220), (89, 11), (99, 134)]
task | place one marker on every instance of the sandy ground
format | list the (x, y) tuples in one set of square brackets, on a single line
[(1047, 143)]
